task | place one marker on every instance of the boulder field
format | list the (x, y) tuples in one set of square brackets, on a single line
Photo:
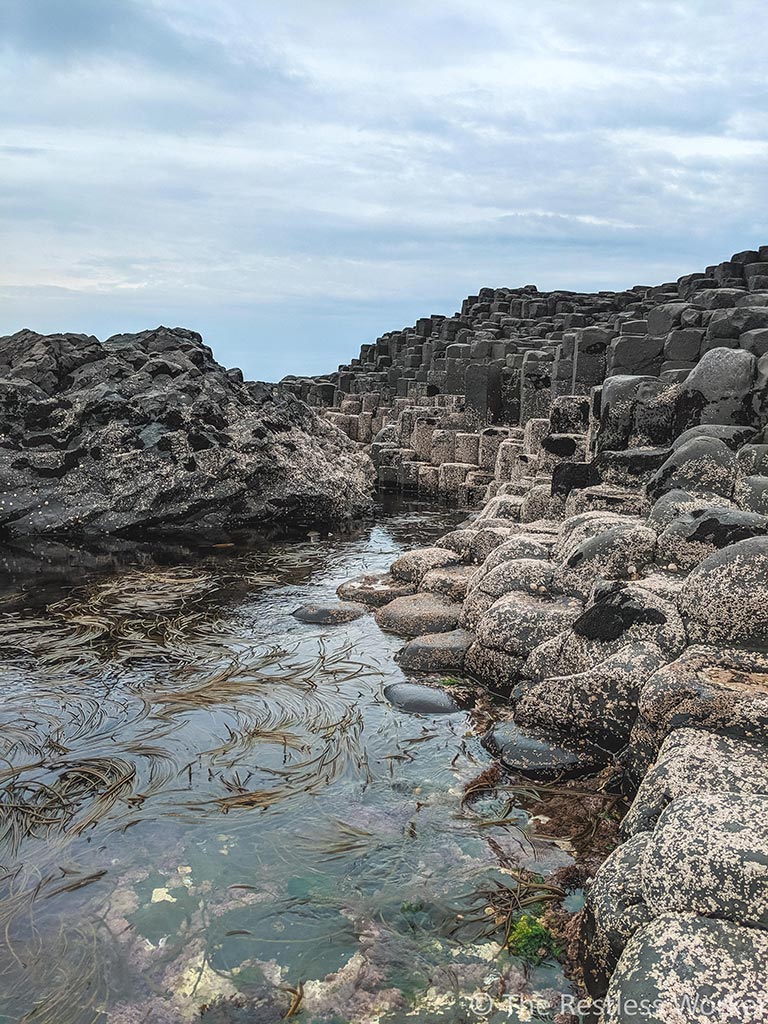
[(148, 433), (609, 586)]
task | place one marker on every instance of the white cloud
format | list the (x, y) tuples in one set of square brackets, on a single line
[(196, 158)]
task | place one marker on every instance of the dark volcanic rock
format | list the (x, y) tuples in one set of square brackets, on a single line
[(418, 699), (539, 753), (329, 613), (147, 432)]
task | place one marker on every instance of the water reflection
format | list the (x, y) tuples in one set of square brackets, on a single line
[(208, 808)]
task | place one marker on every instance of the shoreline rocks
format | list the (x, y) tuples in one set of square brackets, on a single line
[(147, 433), (615, 585)]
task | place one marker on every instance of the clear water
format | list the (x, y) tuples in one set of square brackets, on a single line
[(209, 811)]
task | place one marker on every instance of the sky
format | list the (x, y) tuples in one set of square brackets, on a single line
[(294, 178)]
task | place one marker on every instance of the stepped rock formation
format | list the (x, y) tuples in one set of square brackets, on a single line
[(147, 432), (611, 587)]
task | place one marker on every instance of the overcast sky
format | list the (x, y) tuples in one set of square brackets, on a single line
[(294, 177)]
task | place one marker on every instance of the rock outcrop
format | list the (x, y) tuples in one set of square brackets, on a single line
[(148, 433), (614, 449)]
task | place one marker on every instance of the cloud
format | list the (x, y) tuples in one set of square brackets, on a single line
[(318, 169)]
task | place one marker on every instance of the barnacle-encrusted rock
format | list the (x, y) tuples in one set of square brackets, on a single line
[(414, 565), (615, 909), (374, 590), (685, 968), (692, 761), (329, 613), (725, 598)]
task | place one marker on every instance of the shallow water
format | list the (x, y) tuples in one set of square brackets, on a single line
[(207, 807)]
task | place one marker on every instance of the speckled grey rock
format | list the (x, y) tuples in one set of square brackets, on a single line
[(458, 541), (693, 761), (709, 854), (417, 699), (436, 652), (418, 614), (692, 537), (713, 688), (717, 390), (615, 909), (734, 437), (599, 705), (725, 598), (521, 575), (690, 970), (518, 622), (497, 670), (616, 554), (675, 503), (452, 581), (329, 613), (414, 565), (701, 466), (373, 590)]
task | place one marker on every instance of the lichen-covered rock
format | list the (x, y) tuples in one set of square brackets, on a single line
[(675, 503), (524, 575), (414, 565), (436, 652), (147, 432), (693, 761), (725, 598), (418, 614), (690, 970)]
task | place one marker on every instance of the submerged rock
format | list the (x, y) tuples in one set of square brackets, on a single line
[(330, 613), (539, 753), (418, 699), (148, 432), (436, 652)]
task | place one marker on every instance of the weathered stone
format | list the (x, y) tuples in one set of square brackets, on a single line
[(726, 597), (373, 590), (418, 614), (680, 961), (539, 754), (417, 699), (692, 761), (436, 652), (329, 613), (414, 565)]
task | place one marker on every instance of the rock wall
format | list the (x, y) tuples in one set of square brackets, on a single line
[(147, 432), (611, 590)]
